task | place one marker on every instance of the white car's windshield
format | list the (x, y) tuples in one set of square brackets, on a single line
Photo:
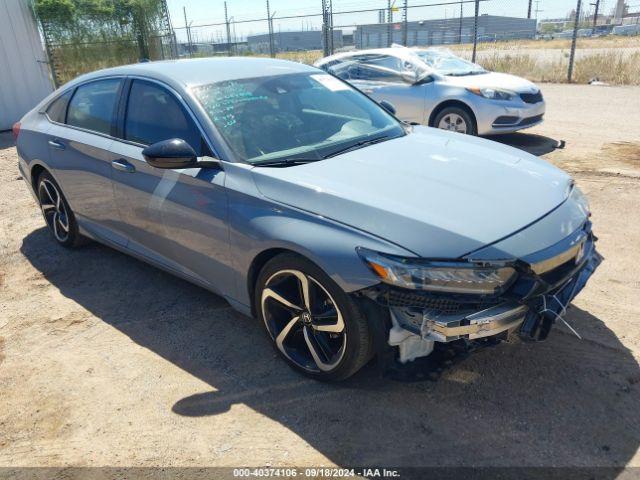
[(295, 117), (446, 63)]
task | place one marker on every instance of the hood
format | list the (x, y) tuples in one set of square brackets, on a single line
[(438, 194), (494, 80)]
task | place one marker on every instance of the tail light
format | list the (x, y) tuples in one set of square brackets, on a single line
[(16, 130)]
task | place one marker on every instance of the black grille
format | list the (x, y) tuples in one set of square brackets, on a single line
[(409, 299), (531, 97), (445, 304), (530, 120), (505, 120)]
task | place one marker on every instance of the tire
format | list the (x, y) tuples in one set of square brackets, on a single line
[(455, 119), (56, 212), (325, 337)]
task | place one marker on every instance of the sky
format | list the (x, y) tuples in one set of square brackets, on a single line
[(202, 12)]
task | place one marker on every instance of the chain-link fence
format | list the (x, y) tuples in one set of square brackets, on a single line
[(559, 41), (82, 36), (543, 40)]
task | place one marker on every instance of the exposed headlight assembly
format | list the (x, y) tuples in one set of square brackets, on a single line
[(452, 277), (493, 93), (580, 200)]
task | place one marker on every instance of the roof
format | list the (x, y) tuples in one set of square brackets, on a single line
[(397, 51), (200, 71)]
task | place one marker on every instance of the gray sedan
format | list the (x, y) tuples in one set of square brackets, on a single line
[(436, 88), (347, 233)]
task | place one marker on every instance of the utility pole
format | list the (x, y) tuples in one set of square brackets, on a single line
[(538, 10), (529, 10), (226, 21), (595, 13), (574, 39), (187, 26)]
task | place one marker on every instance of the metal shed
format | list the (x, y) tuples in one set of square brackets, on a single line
[(24, 73)]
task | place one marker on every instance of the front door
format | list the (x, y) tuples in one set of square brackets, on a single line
[(381, 77), (175, 217)]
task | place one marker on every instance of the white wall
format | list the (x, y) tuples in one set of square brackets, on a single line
[(24, 81)]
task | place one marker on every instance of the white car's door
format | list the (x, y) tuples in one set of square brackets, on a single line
[(384, 77)]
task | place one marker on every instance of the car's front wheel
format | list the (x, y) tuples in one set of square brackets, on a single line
[(315, 326), (57, 213), (455, 119)]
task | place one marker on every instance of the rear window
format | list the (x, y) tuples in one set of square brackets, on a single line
[(93, 105), (57, 110)]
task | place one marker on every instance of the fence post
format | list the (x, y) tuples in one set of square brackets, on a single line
[(331, 49), (460, 23), (325, 29), (475, 31), (574, 40), (595, 14), (389, 21), (272, 52), (226, 21), (405, 23), (188, 28)]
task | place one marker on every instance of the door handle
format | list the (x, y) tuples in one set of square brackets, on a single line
[(56, 144), (122, 165)]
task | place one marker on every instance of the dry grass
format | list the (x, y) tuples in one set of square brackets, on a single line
[(611, 67), (609, 41)]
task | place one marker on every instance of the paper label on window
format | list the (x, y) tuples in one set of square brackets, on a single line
[(330, 82)]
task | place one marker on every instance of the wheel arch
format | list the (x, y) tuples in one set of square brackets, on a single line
[(35, 172), (258, 262), (452, 103)]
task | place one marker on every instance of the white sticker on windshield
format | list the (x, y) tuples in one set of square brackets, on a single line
[(330, 82)]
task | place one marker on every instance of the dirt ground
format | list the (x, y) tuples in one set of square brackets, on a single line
[(106, 361)]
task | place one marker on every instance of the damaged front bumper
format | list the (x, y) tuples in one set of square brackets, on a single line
[(545, 286)]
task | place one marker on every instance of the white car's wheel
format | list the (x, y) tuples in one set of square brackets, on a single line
[(455, 119)]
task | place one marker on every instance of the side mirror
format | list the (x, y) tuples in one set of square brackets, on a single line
[(409, 76), (172, 153), (388, 107)]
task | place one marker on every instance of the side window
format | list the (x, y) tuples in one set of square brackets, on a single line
[(57, 110), (154, 114), (93, 105), (382, 68)]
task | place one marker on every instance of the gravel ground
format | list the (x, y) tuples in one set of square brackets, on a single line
[(105, 360)]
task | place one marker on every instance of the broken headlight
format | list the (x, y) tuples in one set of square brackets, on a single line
[(452, 277)]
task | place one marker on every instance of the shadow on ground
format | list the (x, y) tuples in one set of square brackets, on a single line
[(6, 140), (531, 143), (563, 402)]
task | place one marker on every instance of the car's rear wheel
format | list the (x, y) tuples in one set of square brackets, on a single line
[(455, 119), (315, 326), (57, 213)]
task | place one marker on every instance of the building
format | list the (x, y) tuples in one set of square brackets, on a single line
[(24, 78), (292, 41), (446, 31)]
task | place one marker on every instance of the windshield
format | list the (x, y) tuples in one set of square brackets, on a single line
[(446, 63), (301, 116)]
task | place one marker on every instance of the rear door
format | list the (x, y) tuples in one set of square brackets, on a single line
[(83, 120), (174, 217)]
